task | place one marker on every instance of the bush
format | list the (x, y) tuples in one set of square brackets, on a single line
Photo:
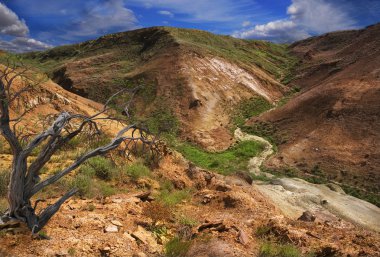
[(269, 249), (3, 205), (157, 211), (177, 248), (89, 187), (137, 170), (85, 185), (100, 167), (4, 181)]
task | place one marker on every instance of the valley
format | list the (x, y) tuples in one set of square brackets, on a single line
[(264, 148)]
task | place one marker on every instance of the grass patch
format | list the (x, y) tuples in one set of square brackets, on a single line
[(234, 159), (250, 108), (269, 249), (174, 197), (187, 221), (176, 247)]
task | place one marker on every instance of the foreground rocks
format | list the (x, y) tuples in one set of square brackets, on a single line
[(225, 216)]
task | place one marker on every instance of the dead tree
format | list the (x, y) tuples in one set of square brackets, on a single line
[(24, 177)]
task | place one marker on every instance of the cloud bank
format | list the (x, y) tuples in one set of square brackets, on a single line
[(305, 18), (12, 26)]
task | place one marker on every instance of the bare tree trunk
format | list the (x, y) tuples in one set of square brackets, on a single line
[(23, 184)]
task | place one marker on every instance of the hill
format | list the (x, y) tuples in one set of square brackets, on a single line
[(198, 76), (330, 130)]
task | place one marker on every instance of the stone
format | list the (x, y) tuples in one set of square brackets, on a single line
[(111, 229), (105, 252), (127, 235), (140, 254), (146, 237), (117, 200), (307, 216), (144, 196), (116, 223), (243, 237)]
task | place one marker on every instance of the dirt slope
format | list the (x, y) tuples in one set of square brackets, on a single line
[(198, 75), (331, 128)]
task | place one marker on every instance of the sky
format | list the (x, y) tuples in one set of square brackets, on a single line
[(34, 25)]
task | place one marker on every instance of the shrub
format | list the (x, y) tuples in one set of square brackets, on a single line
[(137, 170), (85, 185), (103, 189), (101, 167), (269, 249), (4, 181), (3, 205), (157, 211), (177, 248), (262, 231)]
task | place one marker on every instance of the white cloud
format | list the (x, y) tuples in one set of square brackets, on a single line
[(10, 23), (280, 30), (320, 16), (16, 28), (101, 18), (22, 44), (166, 13), (306, 17)]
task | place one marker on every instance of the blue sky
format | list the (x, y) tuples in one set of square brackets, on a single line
[(27, 25)]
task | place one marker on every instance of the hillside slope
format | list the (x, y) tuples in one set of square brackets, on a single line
[(197, 75), (331, 128)]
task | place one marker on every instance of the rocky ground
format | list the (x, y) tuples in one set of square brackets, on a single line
[(229, 217)]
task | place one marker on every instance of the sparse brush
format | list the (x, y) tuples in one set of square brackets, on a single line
[(269, 249), (4, 181), (177, 248), (136, 170), (158, 211), (101, 167)]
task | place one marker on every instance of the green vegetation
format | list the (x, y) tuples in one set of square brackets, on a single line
[(269, 249), (373, 198), (267, 131), (162, 121), (250, 108), (288, 96), (99, 166), (136, 170), (177, 248), (262, 231), (187, 221), (3, 205), (4, 181), (174, 197), (274, 58), (233, 159)]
